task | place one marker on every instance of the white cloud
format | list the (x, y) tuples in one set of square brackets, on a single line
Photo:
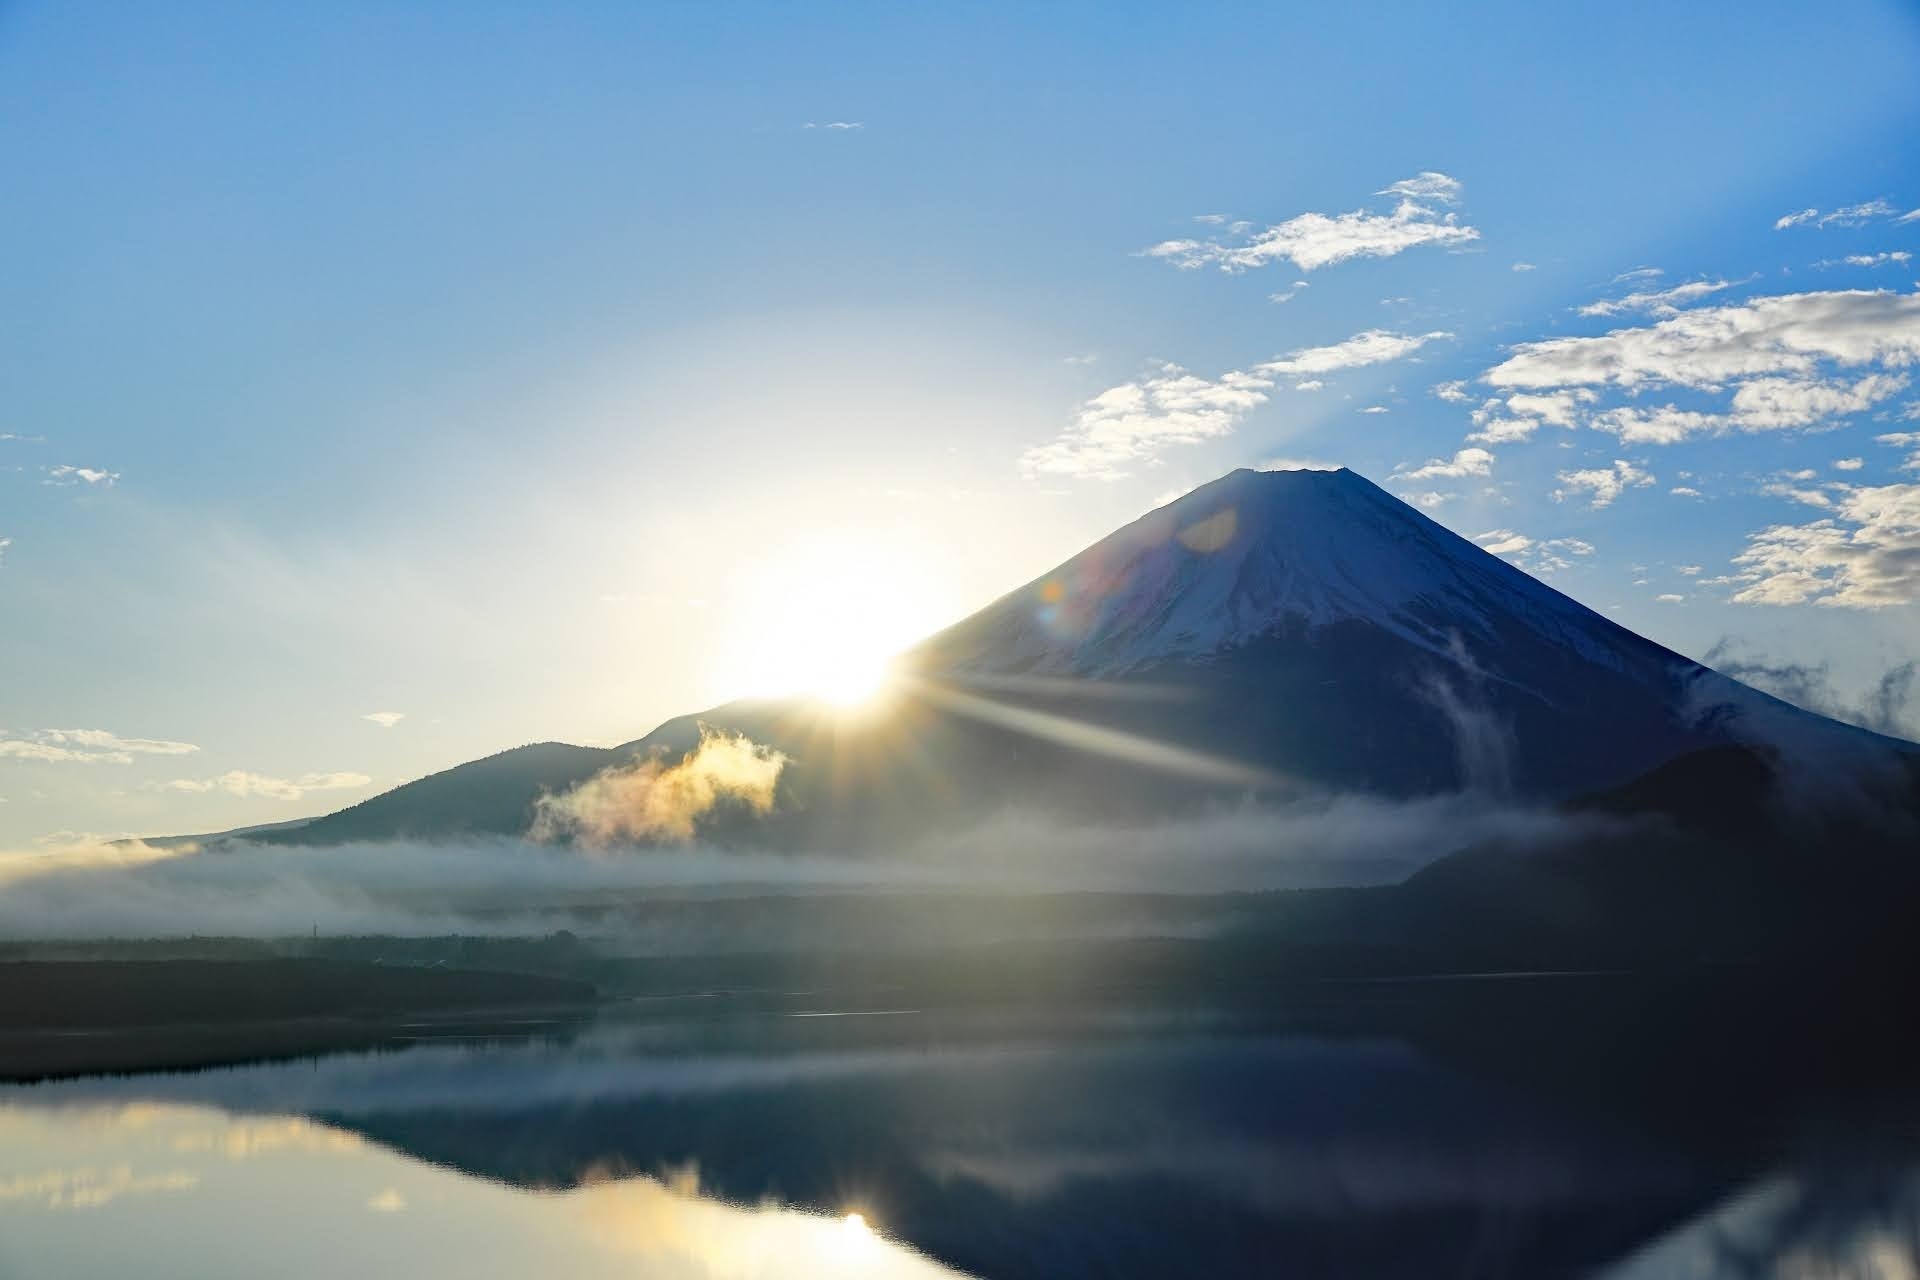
[(4, 544), (1784, 334), (841, 126), (1540, 558), (1661, 424), (1669, 598), (1375, 408), (1849, 464), (1519, 415), (1523, 266), (1503, 542), (1314, 240), (1892, 258), (1427, 185), (1772, 403), (240, 782), (1467, 462), (1865, 555), (1309, 384), (1603, 485), (1684, 491), (1664, 302), (1136, 421), (1777, 363), (1374, 346), (66, 475), (385, 719), (1452, 392), (1429, 500), (1638, 273), (87, 746), (1853, 215)]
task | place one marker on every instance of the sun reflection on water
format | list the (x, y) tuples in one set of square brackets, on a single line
[(189, 1191)]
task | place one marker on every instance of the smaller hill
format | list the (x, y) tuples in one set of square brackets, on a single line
[(492, 796)]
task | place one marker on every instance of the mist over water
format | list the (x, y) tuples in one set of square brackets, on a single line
[(506, 887)]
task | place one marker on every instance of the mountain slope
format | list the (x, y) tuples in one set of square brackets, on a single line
[(1267, 634), (491, 796)]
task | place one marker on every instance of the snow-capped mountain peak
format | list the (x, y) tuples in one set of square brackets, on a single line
[(1248, 554)]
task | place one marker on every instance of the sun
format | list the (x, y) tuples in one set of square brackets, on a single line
[(824, 617)]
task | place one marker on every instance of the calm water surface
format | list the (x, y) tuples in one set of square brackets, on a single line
[(914, 1144)]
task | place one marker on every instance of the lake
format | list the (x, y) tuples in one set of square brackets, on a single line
[(683, 1141)]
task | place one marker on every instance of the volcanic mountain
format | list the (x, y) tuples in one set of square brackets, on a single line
[(1268, 634)]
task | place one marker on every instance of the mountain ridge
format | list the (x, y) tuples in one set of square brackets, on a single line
[(1303, 630)]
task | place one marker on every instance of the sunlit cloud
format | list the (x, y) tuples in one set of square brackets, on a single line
[(385, 719), (1313, 240), (651, 799), (1135, 422)]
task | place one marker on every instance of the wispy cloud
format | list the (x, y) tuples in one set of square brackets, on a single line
[(385, 719), (842, 126), (1134, 422), (86, 746), (1852, 215), (1664, 302), (1891, 258), (1314, 240)]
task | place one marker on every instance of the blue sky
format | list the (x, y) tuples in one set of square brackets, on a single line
[(486, 364)]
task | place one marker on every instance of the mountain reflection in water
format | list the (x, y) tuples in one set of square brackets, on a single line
[(997, 1145)]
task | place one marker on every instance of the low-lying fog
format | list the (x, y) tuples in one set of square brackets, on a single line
[(520, 887)]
